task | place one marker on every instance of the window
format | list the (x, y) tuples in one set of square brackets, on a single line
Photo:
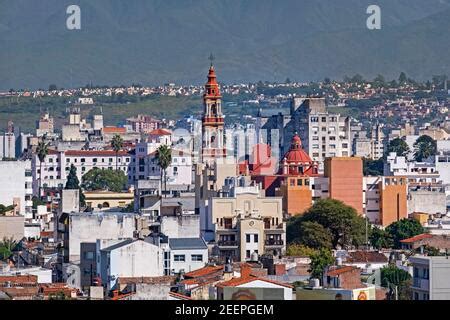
[(83, 160), (179, 258), (299, 182), (228, 223), (197, 257), (247, 254), (247, 238), (255, 237), (89, 255)]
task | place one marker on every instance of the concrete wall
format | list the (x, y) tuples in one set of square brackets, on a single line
[(346, 180), (12, 182), (90, 227), (138, 259), (151, 292), (186, 226), (12, 227), (430, 202)]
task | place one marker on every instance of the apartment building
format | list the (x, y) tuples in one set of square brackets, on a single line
[(245, 222), (323, 134), (56, 165), (430, 278), (16, 186)]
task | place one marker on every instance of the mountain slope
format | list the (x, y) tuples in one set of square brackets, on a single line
[(156, 41)]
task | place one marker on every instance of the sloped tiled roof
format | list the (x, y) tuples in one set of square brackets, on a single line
[(366, 256), (417, 238)]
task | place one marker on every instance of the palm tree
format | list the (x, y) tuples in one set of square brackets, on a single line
[(41, 152), (7, 246), (164, 157), (117, 145)]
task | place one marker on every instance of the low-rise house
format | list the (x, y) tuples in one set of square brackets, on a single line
[(340, 282), (187, 254), (440, 242), (367, 261), (251, 287), (200, 284), (128, 258), (145, 288)]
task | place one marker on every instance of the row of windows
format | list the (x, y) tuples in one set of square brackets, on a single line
[(182, 257), (94, 160)]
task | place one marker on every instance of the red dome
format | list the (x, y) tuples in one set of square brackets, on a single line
[(296, 154)]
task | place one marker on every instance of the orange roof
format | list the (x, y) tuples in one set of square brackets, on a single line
[(160, 132), (25, 279), (296, 153), (179, 296), (417, 238), (203, 271), (243, 280), (340, 270), (114, 130)]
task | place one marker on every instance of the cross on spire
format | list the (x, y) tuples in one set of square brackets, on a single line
[(211, 58)]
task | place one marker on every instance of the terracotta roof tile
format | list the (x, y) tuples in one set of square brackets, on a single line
[(340, 270), (203, 271), (363, 256), (160, 132), (417, 238)]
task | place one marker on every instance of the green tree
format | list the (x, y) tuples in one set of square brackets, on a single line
[(117, 145), (312, 234), (73, 183), (164, 158), (319, 261), (402, 79), (346, 227), (379, 81), (372, 167), (7, 247), (380, 238), (425, 146), (393, 276), (41, 152), (298, 250), (4, 209), (404, 229), (399, 146), (110, 180), (357, 78)]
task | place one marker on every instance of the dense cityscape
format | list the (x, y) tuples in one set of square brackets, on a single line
[(335, 190)]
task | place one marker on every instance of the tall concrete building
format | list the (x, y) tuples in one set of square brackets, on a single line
[(245, 222), (323, 134), (346, 181)]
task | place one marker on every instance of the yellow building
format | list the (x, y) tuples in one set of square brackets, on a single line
[(105, 200), (246, 222)]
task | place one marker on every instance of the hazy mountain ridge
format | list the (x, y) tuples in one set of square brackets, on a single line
[(157, 41)]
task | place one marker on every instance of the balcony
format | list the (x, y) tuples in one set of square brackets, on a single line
[(274, 242), (422, 284), (227, 243)]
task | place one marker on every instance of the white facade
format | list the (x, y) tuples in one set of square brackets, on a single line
[(130, 258), (56, 165), (329, 136), (98, 225), (288, 292), (16, 186)]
